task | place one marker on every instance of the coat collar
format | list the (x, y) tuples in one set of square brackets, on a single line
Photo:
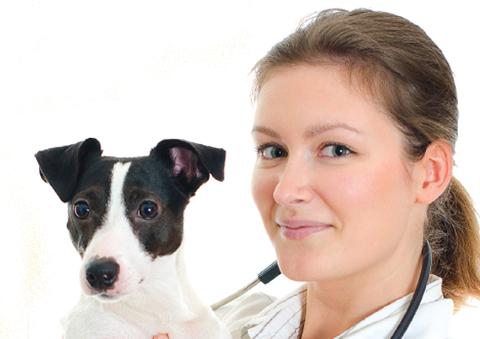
[(284, 318)]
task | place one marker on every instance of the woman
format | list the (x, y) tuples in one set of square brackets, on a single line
[(355, 128)]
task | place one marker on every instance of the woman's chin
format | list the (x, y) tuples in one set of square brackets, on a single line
[(298, 267)]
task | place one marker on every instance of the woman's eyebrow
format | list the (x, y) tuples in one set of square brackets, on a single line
[(265, 130), (310, 132), (319, 129)]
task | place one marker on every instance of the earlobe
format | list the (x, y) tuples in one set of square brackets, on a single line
[(436, 171)]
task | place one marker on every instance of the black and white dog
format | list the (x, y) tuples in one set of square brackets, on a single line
[(125, 217)]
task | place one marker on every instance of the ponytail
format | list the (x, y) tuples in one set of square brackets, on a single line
[(453, 232)]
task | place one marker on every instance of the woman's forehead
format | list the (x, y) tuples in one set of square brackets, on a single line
[(320, 92)]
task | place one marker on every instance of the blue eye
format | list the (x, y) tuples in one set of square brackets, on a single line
[(81, 209), (270, 151), (148, 210), (336, 151)]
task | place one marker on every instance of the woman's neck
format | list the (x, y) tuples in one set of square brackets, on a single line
[(332, 307)]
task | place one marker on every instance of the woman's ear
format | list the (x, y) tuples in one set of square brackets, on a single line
[(434, 171)]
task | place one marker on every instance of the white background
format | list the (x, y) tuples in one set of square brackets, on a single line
[(131, 73)]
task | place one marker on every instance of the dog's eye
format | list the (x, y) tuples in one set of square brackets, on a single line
[(81, 209), (148, 210)]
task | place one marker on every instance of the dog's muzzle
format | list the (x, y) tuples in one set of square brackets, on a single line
[(102, 273)]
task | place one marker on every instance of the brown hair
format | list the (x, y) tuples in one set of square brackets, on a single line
[(396, 60)]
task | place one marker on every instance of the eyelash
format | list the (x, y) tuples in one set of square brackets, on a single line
[(260, 148)]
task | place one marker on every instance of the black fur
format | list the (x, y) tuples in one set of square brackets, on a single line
[(61, 166), (169, 176)]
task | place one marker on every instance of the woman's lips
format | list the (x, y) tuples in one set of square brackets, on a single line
[(300, 229)]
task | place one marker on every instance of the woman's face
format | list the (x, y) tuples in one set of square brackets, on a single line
[(332, 183)]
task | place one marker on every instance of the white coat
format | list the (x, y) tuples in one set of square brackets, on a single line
[(258, 316)]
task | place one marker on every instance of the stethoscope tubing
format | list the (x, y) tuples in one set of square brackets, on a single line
[(418, 294)]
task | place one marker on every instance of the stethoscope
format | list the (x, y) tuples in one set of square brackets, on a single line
[(273, 271)]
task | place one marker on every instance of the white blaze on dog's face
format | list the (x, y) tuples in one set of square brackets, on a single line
[(116, 241)]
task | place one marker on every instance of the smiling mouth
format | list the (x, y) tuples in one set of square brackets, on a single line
[(298, 232)]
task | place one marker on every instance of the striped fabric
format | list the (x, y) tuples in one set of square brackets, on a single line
[(284, 318)]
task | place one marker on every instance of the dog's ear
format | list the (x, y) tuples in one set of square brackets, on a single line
[(190, 163), (62, 166)]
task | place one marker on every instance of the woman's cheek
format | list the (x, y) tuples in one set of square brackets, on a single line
[(263, 185), (369, 203)]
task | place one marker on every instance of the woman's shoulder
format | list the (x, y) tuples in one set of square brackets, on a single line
[(249, 311), (241, 310)]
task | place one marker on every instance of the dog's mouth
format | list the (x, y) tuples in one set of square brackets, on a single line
[(113, 295), (107, 297)]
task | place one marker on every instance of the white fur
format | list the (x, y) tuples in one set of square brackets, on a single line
[(149, 297)]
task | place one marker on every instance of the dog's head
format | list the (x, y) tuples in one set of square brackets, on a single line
[(125, 215)]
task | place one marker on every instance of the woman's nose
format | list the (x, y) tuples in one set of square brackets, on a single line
[(293, 186)]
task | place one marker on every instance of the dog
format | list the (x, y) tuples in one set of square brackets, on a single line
[(125, 218)]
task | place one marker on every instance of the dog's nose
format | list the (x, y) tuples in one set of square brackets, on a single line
[(102, 273)]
